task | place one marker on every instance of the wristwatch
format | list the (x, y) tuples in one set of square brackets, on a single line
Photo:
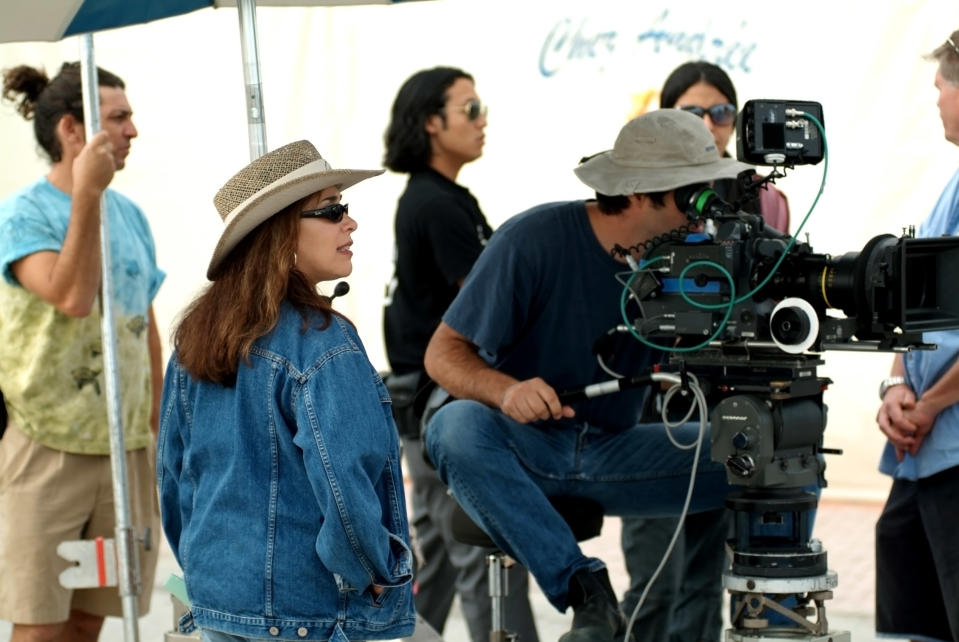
[(888, 383)]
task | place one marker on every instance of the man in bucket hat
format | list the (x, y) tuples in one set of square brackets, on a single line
[(524, 325)]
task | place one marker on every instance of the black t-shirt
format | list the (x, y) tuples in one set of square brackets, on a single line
[(440, 231)]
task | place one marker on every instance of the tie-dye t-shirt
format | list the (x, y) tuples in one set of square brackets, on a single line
[(51, 364)]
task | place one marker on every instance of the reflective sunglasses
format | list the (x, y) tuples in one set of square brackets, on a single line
[(333, 213), (473, 109), (723, 114)]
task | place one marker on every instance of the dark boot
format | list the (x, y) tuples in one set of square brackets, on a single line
[(596, 614)]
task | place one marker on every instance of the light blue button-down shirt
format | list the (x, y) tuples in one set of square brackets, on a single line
[(940, 449)]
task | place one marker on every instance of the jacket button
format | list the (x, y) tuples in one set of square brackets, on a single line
[(274, 630), (302, 631)]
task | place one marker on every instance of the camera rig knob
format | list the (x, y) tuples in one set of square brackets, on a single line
[(741, 441), (741, 465)]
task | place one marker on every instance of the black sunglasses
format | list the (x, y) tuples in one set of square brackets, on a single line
[(473, 109), (333, 213), (723, 114)]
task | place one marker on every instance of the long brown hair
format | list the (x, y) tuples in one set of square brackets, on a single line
[(217, 330)]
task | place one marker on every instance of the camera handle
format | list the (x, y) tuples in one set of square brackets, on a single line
[(582, 393)]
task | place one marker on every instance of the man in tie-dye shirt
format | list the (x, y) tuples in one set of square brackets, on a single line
[(55, 471)]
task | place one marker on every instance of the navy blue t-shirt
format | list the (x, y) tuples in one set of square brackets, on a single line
[(537, 300)]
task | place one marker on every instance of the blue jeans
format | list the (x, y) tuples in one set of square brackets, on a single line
[(448, 568), (503, 472)]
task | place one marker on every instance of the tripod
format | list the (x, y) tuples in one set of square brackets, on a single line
[(767, 430), (778, 584)]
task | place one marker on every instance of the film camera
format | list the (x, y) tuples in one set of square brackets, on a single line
[(749, 312)]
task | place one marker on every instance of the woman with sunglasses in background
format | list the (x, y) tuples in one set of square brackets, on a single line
[(278, 461), (704, 89), (685, 603)]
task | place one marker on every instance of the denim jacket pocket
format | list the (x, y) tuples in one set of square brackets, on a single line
[(403, 561), (186, 623), (392, 603), (338, 634), (378, 600)]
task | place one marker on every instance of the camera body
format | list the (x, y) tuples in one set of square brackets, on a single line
[(747, 285), (749, 310)]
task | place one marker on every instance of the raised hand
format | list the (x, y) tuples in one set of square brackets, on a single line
[(94, 166)]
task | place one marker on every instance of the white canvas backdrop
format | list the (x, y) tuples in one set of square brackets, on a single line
[(561, 78)]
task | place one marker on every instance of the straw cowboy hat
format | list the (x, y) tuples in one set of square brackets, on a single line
[(268, 185), (656, 152)]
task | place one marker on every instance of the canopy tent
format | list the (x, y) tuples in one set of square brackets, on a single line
[(23, 22)]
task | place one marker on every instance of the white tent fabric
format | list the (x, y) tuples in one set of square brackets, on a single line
[(29, 21)]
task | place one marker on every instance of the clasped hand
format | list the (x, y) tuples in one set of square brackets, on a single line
[(904, 420)]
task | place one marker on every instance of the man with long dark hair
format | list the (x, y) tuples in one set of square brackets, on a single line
[(436, 127)]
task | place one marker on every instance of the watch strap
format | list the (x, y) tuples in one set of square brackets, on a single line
[(888, 383)]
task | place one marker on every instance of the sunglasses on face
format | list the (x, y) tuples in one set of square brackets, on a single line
[(723, 114), (333, 213), (473, 109)]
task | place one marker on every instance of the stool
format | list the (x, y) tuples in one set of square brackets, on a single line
[(585, 519)]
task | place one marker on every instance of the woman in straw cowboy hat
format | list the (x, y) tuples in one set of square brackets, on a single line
[(278, 462)]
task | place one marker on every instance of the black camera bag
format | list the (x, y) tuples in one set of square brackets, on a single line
[(409, 393)]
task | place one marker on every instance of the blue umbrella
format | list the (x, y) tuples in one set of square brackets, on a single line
[(28, 21)]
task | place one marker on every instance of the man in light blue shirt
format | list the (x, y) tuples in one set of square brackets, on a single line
[(917, 557)]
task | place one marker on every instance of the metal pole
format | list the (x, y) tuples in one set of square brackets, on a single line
[(128, 576), (246, 10)]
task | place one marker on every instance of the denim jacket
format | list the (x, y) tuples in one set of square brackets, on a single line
[(282, 496)]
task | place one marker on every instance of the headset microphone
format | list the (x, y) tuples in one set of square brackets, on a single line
[(341, 288)]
